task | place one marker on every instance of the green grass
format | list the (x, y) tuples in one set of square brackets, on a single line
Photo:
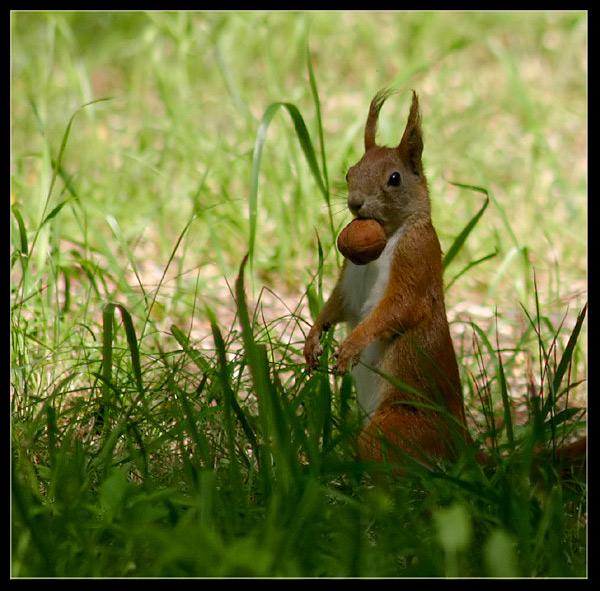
[(162, 422)]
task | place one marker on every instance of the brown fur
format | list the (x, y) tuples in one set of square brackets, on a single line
[(410, 318)]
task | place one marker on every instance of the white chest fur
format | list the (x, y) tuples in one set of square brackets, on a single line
[(363, 287)]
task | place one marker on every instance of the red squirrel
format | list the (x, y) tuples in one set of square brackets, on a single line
[(395, 307), (399, 347)]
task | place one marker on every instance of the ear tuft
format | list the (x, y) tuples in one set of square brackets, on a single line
[(411, 145), (371, 125)]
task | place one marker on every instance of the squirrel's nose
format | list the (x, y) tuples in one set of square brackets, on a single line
[(355, 202)]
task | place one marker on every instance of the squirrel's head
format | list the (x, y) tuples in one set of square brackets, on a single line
[(388, 184)]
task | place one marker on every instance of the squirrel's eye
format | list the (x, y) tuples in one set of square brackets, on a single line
[(394, 179)]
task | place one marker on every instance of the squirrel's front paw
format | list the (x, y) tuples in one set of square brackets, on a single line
[(347, 357), (312, 352)]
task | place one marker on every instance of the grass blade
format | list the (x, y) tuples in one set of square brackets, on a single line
[(315, 94), (108, 315), (22, 231), (506, 402), (118, 234), (56, 171), (462, 237), (565, 359), (230, 399), (55, 211), (494, 353), (472, 264), (192, 353), (272, 418), (166, 269), (229, 404), (307, 148)]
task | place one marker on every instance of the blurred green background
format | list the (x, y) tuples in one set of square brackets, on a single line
[(503, 98)]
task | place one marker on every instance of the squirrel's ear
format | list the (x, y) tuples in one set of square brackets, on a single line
[(411, 145), (371, 125)]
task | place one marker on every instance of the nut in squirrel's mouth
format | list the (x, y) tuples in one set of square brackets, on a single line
[(366, 217), (369, 217)]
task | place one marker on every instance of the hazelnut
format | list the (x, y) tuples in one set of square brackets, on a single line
[(362, 241)]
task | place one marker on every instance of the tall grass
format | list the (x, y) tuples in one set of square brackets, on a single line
[(162, 421), (253, 474)]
